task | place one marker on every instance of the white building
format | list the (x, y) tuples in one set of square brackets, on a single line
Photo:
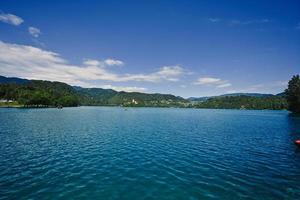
[(134, 101)]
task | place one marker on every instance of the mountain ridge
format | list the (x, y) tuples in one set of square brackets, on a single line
[(36, 93), (16, 80), (58, 93), (235, 95)]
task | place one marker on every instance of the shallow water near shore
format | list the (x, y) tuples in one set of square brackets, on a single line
[(148, 153)]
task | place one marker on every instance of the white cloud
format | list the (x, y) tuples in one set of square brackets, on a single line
[(11, 19), (214, 20), (112, 62), (224, 85), (35, 63), (91, 62), (211, 81), (35, 32), (271, 87), (238, 22), (124, 88), (248, 22), (207, 81), (170, 73)]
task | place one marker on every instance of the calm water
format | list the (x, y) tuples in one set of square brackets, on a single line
[(148, 153)]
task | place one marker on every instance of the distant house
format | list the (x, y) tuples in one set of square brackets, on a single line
[(134, 101), (6, 101)]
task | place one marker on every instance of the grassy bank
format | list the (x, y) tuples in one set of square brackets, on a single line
[(14, 104)]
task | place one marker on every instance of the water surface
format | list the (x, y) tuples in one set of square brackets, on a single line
[(148, 153)]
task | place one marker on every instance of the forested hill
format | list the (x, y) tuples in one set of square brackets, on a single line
[(46, 93), (30, 93), (5, 80), (39, 93), (231, 95), (98, 96), (274, 102)]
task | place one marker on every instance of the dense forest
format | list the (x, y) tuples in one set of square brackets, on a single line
[(40, 94), (98, 96), (36, 93), (274, 102), (293, 94)]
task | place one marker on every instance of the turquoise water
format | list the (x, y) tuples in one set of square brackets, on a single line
[(148, 153)]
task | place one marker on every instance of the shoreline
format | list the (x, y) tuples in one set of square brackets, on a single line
[(39, 107)]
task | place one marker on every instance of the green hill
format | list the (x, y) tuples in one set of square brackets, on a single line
[(40, 93), (37, 93), (47, 93), (195, 99), (244, 102), (98, 96)]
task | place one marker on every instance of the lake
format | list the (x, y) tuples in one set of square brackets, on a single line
[(148, 153)]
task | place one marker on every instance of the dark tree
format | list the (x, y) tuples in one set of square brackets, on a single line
[(293, 94)]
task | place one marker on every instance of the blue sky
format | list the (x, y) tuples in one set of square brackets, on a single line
[(186, 48)]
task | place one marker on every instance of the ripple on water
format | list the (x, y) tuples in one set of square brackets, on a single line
[(146, 153)]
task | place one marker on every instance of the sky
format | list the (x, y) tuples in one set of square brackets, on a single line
[(186, 48)]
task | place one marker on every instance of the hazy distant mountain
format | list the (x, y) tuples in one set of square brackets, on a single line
[(247, 94), (198, 98), (282, 94), (230, 95), (5, 80)]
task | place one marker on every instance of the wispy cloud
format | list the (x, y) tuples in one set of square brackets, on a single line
[(124, 88), (211, 81), (207, 81), (35, 63), (11, 19), (35, 32), (112, 62), (236, 22), (271, 87), (224, 85), (214, 20)]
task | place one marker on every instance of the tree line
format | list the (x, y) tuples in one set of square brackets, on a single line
[(45, 93), (40, 93), (245, 102)]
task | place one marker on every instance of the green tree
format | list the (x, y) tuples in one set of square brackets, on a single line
[(293, 94)]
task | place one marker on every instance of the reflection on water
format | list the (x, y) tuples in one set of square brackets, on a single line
[(294, 125)]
